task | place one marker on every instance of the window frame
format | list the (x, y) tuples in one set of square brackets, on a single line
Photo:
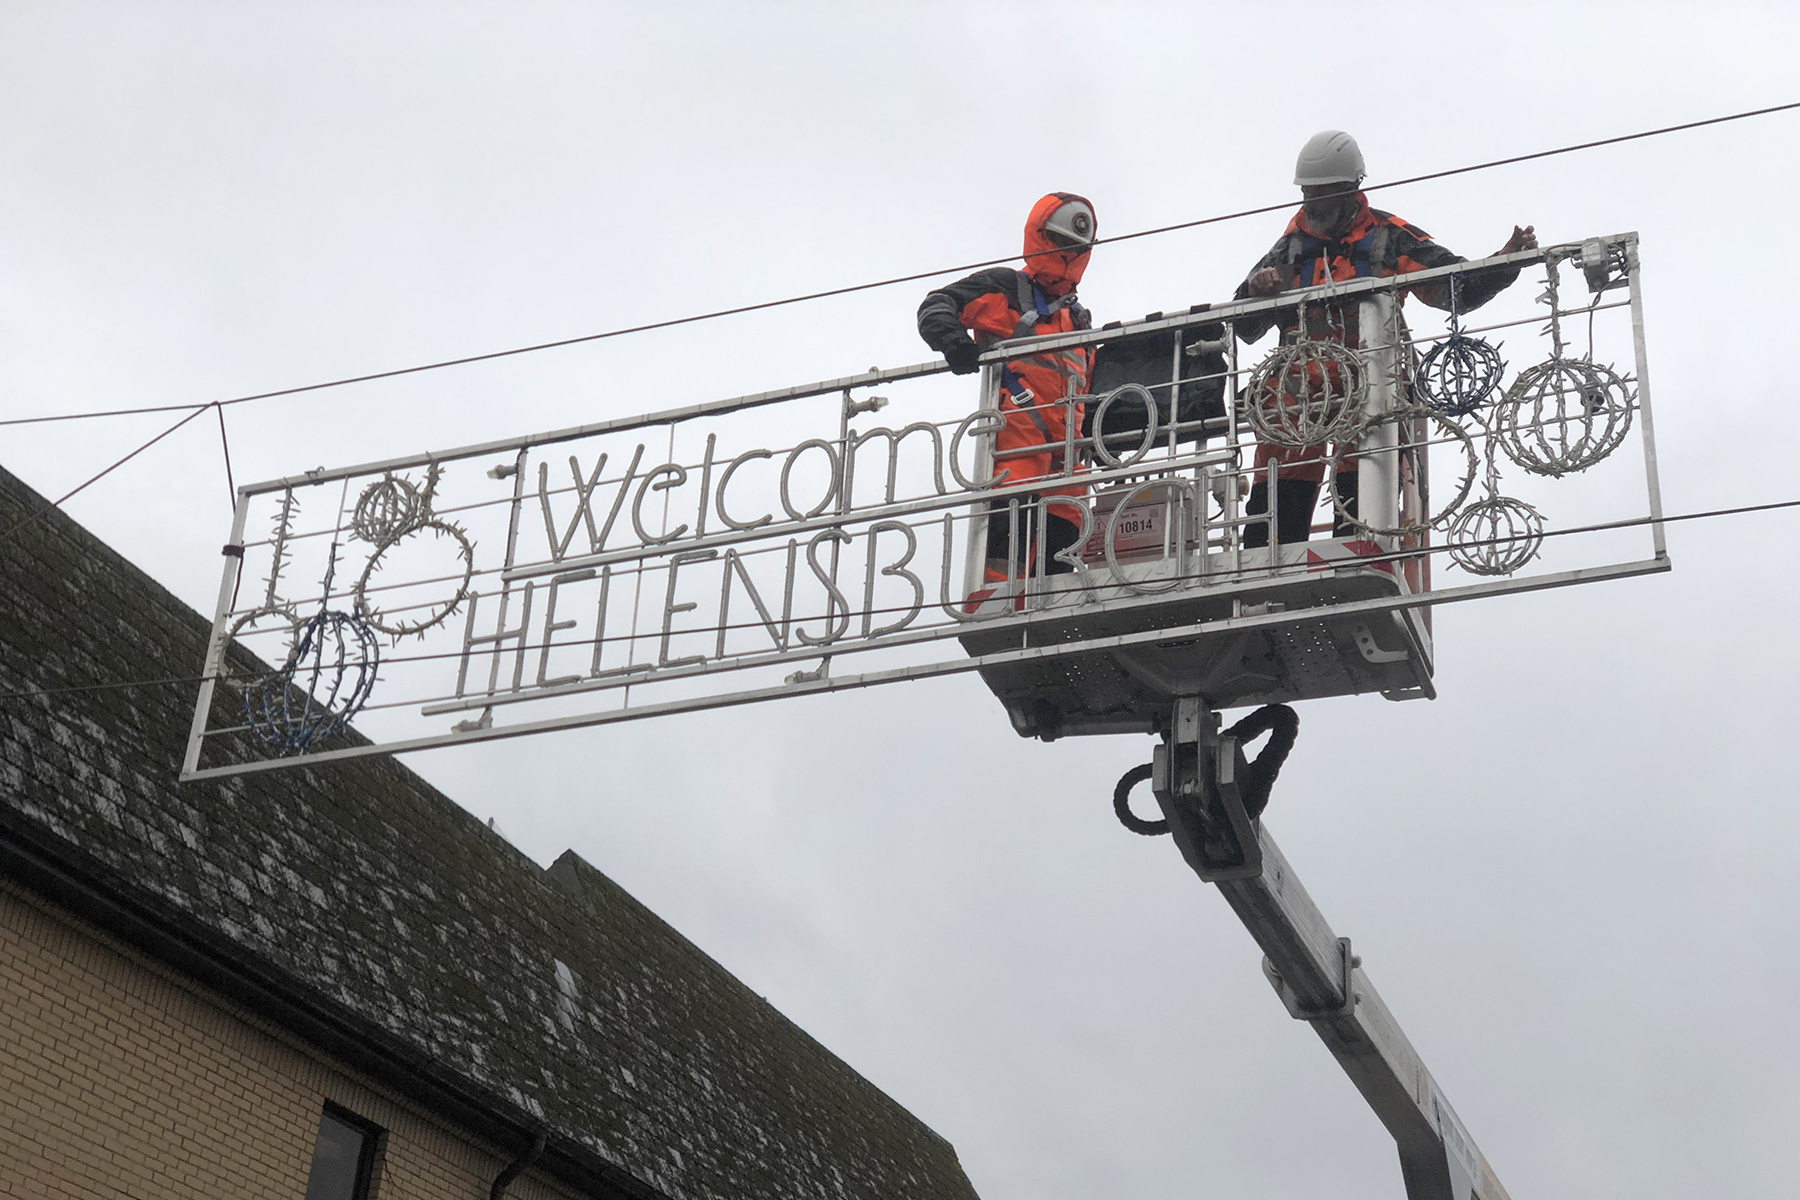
[(363, 1184)]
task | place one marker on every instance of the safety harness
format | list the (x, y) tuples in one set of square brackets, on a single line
[(1368, 254), (1035, 307)]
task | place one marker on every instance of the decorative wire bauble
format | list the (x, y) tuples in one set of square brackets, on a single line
[(1496, 536), (1458, 375), (1305, 394), (1562, 416), (388, 510), (324, 683)]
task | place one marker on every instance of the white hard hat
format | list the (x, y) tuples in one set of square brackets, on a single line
[(1071, 225), (1331, 156)]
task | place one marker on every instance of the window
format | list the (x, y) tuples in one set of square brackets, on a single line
[(343, 1158)]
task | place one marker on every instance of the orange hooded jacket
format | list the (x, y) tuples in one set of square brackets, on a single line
[(1001, 303)]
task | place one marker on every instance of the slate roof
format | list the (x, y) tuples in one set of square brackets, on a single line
[(363, 908)]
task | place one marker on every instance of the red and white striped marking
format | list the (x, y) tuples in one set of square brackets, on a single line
[(1327, 555)]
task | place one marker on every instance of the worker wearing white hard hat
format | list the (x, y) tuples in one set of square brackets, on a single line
[(1336, 236)]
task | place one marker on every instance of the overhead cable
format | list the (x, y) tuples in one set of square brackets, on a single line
[(96, 478), (914, 277), (225, 445), (196, 410)]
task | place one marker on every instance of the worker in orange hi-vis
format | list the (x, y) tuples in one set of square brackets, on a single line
[(1337, 236), (1039, 423)]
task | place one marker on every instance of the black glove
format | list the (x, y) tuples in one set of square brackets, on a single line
[(963, 357)]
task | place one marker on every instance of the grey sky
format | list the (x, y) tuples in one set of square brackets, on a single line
[(1573, 877)]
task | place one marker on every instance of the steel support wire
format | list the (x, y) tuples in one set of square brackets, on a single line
[(96, 478), (913, 277)]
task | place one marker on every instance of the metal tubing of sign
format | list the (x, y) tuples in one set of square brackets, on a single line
[(816, 686), (1232, 310), (685, 559)]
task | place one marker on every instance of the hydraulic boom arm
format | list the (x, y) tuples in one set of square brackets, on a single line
[(1313, 970)]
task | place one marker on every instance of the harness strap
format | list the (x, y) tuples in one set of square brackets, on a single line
[(1378, 240), (1368, 255), (1034, 307), (1015, 388), (1030, 308)]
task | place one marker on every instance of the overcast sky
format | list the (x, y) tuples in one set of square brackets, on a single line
[(1575, 877)]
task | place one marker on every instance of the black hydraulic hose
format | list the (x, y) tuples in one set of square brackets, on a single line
[(1282, 724), (1255, 780), (1122, 802)]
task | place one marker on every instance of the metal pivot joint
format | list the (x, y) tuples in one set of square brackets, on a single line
[(1195, 777), (1299, 1009)]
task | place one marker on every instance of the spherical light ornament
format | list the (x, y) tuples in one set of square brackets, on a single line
[(1496, 536), (1562, 416), (1458, 375), (1306, 394), (388, 510), (323, 684)]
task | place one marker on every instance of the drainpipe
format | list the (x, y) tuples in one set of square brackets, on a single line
[(516, 1167)]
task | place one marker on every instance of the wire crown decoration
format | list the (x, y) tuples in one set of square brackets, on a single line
[(691, 558)]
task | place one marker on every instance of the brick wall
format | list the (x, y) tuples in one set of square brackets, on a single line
[(121, 1078)]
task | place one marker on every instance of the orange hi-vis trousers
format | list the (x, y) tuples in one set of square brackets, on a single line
[(1034, 443)]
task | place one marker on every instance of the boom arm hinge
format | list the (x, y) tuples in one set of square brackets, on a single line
[(1347, 964)]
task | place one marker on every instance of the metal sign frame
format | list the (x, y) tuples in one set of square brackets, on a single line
[(510, 665)]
